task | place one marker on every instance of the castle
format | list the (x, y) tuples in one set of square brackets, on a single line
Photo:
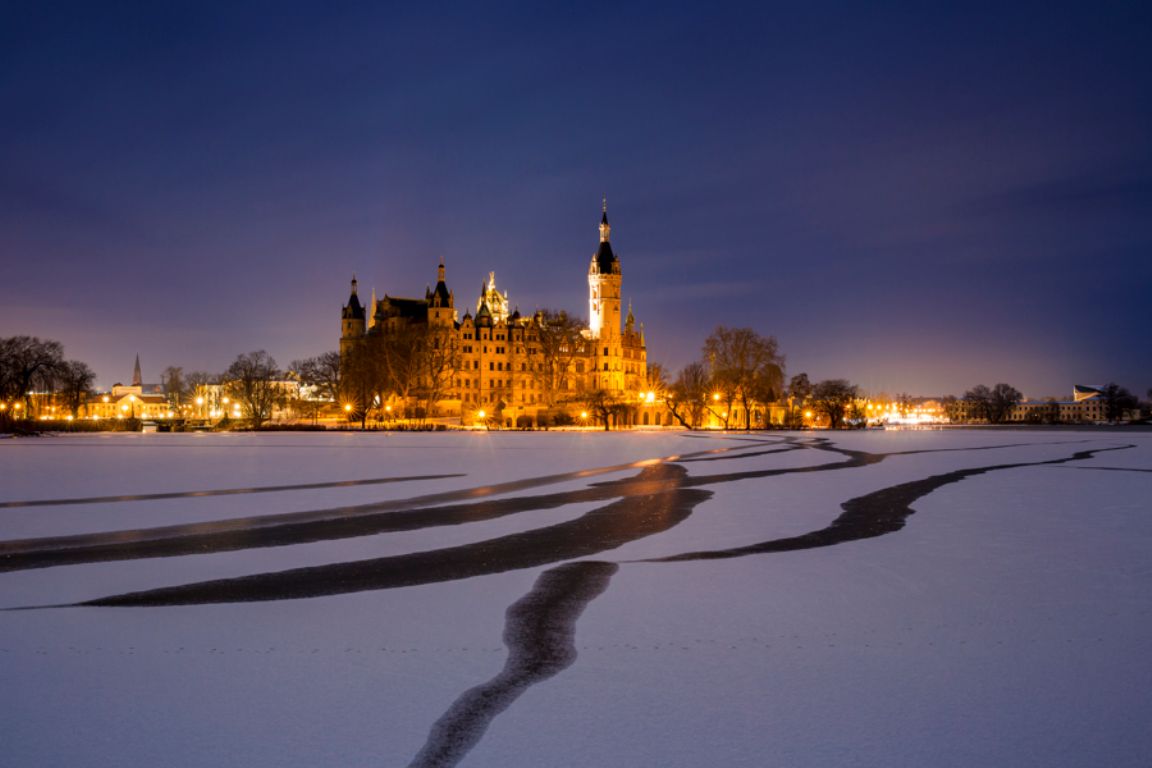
[(499, 366)]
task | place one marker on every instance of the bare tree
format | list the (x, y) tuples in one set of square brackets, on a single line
[(75, 383), (399, 352), (656, 379), (363, 378), (1002, 399), (977, 403), (438, 358), (686, 396), (322, 373), (560, 341), (953, 408), (1118, 401), (744, 367), (799, 390), (834, 398), (198, 379), (605, 406), (251, 379), (26, 364), (175, 388)]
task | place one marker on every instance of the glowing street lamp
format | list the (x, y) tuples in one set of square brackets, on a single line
[(715, 396)]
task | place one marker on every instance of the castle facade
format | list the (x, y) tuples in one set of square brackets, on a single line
[(499, 366)]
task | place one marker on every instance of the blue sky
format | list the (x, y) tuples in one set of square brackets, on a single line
[(916, 198)]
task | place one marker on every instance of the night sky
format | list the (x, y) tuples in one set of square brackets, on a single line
[(917, 199)]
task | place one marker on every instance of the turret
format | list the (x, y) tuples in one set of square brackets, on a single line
[(352, 316), (604, 279), (441, 302)]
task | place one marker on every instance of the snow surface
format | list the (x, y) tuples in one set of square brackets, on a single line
[(1006, 624)]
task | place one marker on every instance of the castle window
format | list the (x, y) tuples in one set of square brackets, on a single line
[(491, 366), (605, 351), (605, 366)]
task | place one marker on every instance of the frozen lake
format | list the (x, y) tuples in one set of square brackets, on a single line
[(943, 598)]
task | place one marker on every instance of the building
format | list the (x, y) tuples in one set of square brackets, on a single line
[(1087, 406), (496, 365), (131, 401)]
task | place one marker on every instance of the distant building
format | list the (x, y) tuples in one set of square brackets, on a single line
[(134, 401), (497, 362), (1087, 406)]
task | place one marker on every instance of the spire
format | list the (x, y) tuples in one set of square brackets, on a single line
[(137, 379), (604, 260), (440, 295), (353, 310), (372, 310)]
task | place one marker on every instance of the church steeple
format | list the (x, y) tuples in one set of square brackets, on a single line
[(605, 229), (137, 378)]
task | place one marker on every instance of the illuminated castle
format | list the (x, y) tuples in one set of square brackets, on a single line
[(500, 363)]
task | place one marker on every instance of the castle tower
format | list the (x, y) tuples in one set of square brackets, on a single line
[(351, 320), (604, 282), (441, 301)]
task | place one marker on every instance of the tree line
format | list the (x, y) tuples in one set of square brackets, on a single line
[(739, 371), (31, 365), (997, 404)]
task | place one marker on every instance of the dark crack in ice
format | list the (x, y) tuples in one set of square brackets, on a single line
[(539, 631), (875, 514), (663, 504)]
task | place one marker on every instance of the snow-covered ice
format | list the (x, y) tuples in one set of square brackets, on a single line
[(983, 598)]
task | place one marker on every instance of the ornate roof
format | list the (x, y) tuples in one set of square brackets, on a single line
[(353, 310)]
